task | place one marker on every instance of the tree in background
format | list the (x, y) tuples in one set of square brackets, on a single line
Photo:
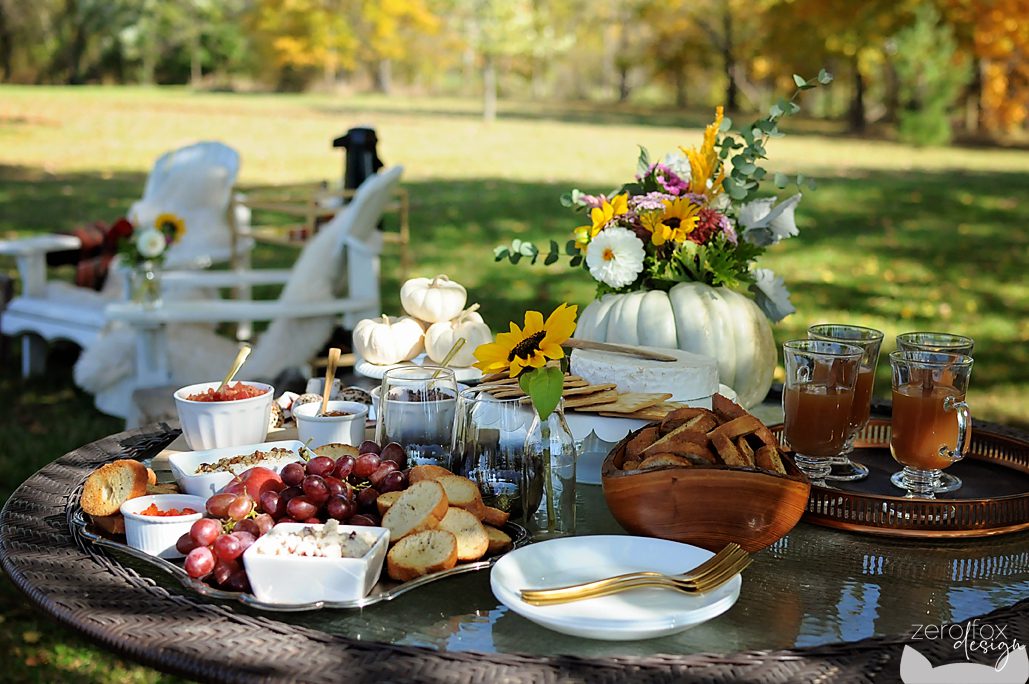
[(385, 31), (674, 45), (930, 75)]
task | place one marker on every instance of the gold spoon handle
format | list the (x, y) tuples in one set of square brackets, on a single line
[(241, 356), (449, 357), (330, 374)]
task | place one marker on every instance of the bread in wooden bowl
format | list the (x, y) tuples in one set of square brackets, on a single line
[(729, 483)]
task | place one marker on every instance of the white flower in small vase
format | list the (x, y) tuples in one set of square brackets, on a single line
[(150, 243), (765, 223), (615, 257)]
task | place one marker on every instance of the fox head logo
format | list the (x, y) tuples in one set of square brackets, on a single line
[(1010, 669)]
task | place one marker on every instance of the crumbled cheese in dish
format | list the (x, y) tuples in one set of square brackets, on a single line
[(327, 542)]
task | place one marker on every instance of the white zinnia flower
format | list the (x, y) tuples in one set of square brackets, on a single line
[(150, 243), (615, 256), (765, 223)]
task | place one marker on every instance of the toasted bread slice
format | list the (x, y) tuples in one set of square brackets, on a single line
[(631, 465), (463, 493), (737, 427), (676, 418), (643, 439), (684, 432), (420, 507), (472, 540), (727, 451), (111, 485), (768, 458), (386, 500), (726, 409), (496, 517), (427, 472), (697, 454), (499, 541), (151, 477), (109, 524), (664, 459), (335, 450), (420, 554), (163, 488)]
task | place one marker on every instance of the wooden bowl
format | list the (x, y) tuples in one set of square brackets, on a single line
[(707, 506)]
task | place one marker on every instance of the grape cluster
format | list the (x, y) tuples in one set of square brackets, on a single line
[(310, 492)]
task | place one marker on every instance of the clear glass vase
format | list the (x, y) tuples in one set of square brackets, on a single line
[(146, 284), (549, 474)]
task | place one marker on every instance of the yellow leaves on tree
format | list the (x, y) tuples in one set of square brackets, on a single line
[(303, 33)]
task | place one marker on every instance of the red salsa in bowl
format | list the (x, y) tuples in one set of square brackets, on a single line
[(230, 393)]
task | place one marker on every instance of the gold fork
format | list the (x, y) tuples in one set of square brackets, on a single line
[(714, 572)]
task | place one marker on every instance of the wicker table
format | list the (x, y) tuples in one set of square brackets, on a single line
[(818, 604)]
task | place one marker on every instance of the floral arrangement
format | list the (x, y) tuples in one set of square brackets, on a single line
[(150, 243), (692, 216)]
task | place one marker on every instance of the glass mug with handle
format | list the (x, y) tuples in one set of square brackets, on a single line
[(870, 340), (931, 422), (817, 399), (948, 343)]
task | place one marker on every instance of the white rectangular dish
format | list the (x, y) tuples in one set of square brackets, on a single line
[(184, 465)]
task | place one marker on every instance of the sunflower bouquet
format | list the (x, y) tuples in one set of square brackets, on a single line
[(694, 215), (150, 243)]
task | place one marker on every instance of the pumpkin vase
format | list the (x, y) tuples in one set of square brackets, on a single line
[(714, 321)]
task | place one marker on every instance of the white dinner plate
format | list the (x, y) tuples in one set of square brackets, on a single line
[(375, 371), (636, 614)]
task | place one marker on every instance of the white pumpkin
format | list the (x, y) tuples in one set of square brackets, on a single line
[(694, 317), (433, 299), (440, 337), (386, 340)]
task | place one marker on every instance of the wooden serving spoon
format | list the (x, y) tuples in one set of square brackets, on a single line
[(330, 374), (241, 356)]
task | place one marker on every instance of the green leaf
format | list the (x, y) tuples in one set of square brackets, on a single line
[(544, 387), (800, 179), (747, 168), (811, 184), (499, 252), (516, 245), (643, 163), (799, 80), (736, 190), (775, 111), (824, 77), (570, 248), (566, 199), (528, 249), (576, 260), (781, 180), (514, 257), (551, 259)]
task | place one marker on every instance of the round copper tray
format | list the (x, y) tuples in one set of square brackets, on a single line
[(994, 498)]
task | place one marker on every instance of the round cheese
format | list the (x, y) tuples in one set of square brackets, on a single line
[(691, 376)]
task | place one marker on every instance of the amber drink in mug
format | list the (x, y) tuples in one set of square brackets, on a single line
[(870, 340), (817, 400), (931, 422)]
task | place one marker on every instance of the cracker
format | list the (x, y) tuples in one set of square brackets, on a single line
[(651, 413), (585, 403), (587, 389), (630, 402)]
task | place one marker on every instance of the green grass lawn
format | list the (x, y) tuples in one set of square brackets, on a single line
[(894, 238)]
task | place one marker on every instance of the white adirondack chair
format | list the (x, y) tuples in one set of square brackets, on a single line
[(194, 182), (163, 346)]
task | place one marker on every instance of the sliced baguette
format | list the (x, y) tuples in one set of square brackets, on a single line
[(421, 554), (496, 517), (336, 450), (385, 501), (464, 493), (420, 507), (472, 540), (499, 541), (111, 485), (111, 524), (427, 472)]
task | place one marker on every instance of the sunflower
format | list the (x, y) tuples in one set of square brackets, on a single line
[(171, 226), (528, 347), (678, 220), (600, 217)]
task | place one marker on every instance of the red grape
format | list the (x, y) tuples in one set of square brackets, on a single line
[(366, 499), (199, 562), (293, 474), (289, 492), (344, 466), (366, 464), (315, 489), (273, 504), (394, 452), (320, 465), (205, 531), (301, 508), (185, 544), (227, 547), (241, 507), (238, 581), (313, 521), (287, 519), (222, 570), (368, 447), (337, 487), (246, 539), (218, 505), (384, 469), (264, 523), (339, 508), (248, 525), (393, 482), (363, 519)]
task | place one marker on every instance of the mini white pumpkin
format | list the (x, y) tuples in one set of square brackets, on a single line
[(386, 340), (714, 321), (433, 299), (441, 337)]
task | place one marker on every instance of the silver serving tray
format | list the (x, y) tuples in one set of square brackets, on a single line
[(385, 590)]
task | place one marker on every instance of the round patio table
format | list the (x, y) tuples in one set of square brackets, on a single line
[(819, 604)]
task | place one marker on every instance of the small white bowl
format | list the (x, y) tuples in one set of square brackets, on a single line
[(321, 430), (295, 580), (215, 424), (185, 463), (157, 534)]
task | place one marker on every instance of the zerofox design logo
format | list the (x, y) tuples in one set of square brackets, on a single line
[(1012, 668)]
